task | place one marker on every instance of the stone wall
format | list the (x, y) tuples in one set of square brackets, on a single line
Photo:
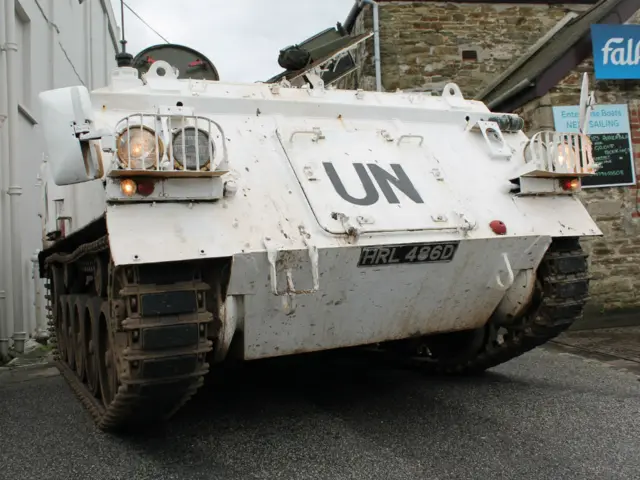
[(425, 45), (614, 258), (364, 77)]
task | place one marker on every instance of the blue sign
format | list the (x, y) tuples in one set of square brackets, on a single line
[(610, 137), (603, 119), (616, 51)]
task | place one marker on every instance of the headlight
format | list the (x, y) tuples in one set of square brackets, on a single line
[(140, 143), (184, 149), (566, 154)]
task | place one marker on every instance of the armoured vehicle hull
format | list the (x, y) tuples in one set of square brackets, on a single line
[(315, 219)]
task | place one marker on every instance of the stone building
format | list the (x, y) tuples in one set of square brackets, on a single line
[(523, 57), (425, 43)]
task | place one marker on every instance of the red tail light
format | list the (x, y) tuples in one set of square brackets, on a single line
[(145, 187), (570, 184)]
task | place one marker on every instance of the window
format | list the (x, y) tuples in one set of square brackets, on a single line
[(470, 55)]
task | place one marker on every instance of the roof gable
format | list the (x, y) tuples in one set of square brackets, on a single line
[(541, 70)]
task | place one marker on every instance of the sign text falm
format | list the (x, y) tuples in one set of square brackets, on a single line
[(616, 51)]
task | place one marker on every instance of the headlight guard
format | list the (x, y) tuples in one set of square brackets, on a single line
[(192, 147), (139, 148)]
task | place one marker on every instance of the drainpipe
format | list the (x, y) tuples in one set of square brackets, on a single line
[(41, 320), (376, 41), (89, 43), (4, 218), (14, 191)]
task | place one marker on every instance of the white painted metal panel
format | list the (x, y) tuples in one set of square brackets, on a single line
[(356, 305), (564, 216), (368, 175)]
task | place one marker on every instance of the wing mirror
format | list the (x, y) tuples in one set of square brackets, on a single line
[(72, 141)]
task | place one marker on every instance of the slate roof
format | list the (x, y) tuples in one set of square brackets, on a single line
[(536, 73)]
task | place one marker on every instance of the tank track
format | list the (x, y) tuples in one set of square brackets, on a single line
[(561, 294), (132, 341)]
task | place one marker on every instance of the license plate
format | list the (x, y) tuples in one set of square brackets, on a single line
[(412, 253)]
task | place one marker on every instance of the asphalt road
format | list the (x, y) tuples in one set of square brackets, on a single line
[(548, 415)]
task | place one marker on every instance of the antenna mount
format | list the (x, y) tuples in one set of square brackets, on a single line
[(587, 102), (123, 59)]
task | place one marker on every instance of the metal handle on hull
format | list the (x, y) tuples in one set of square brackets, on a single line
[(406, 137), (497, 283), (316, 132)]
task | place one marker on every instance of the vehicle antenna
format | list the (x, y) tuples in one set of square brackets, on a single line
[(123, 58)]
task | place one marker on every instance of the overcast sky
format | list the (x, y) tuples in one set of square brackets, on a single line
[(241, 37)]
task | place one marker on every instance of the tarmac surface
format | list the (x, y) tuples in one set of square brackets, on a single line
[(547, 415)]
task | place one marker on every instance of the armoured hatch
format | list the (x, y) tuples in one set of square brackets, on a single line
[(384, 181)]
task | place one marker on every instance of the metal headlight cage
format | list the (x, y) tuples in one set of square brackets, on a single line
[(180, 152), (162, 136), (143, 143), (560, 154)]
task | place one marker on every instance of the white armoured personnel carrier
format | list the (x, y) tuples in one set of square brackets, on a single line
[(188, 221)]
